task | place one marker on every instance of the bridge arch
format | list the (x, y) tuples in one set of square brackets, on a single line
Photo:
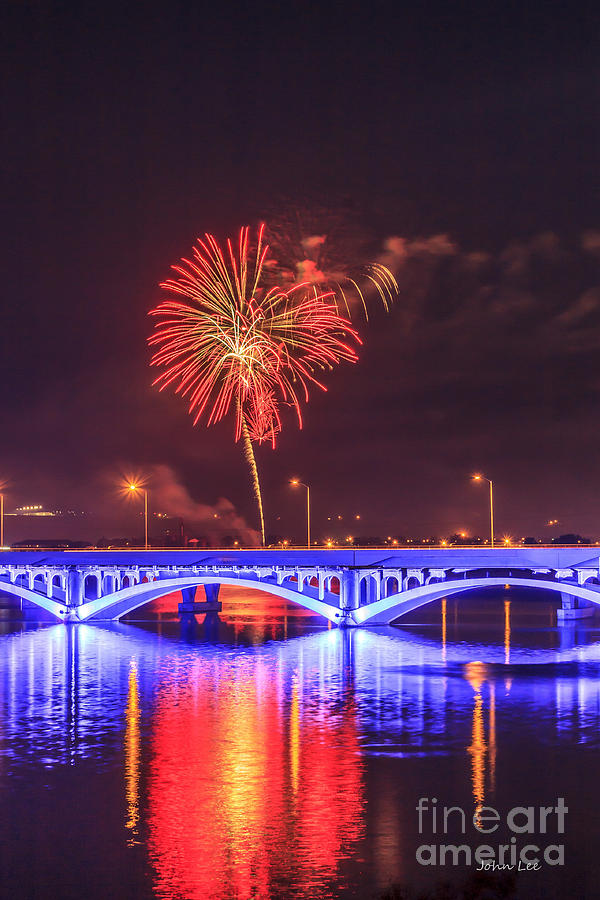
[(39, 581), (58, 586), (390, 585), (291, 579), (91, 586), (127, 600), (390, 608), (15, 589), (333, 584), (368, 588)]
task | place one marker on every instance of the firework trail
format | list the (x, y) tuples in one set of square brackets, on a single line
[(251, 460), (231, 341), (315, 246)]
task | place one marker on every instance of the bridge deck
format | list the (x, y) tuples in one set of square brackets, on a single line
[(418, 557)]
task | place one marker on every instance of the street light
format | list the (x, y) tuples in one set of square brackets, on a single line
[(296, 483), (137, 487), (3, 486), (491, 484)]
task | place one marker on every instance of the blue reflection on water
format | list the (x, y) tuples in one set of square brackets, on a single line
[(64, 689)]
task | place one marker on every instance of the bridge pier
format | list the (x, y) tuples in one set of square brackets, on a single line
[(74, 588), (349, 598), (189, 604), (573, 608)]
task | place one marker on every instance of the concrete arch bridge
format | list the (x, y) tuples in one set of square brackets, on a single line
[(347, 587)]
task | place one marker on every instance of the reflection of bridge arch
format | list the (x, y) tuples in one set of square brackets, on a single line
[(385, 611), (125, 601)]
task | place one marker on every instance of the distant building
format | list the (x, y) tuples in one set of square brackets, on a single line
[(51, 544), (34, 510)]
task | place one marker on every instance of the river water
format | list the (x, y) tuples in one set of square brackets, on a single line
[(267, 756)]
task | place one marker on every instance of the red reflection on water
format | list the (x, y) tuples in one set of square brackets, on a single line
[(236, 602), (330, 790), (249, 787)]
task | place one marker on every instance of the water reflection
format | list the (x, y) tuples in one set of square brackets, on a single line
[(477, 674), (444, 627), (507, 631), (295, 737), (251, 765), (492, 720), (474, 674), (132, 752), (250, 781)]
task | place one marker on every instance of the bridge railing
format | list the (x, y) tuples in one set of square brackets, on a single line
[(296, 547)]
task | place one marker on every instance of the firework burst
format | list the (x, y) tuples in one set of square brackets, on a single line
[(230, 342)]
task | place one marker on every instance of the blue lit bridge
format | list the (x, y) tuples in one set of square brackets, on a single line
[(347, 587)]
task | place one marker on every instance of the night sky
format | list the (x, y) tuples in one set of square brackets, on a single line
[(463, 139)]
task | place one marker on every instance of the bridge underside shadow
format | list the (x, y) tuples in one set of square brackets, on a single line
[(388, 610)]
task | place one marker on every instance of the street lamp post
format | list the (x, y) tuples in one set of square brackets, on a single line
[(137, 487), (491, 484), (1, 521), (295, 482)]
